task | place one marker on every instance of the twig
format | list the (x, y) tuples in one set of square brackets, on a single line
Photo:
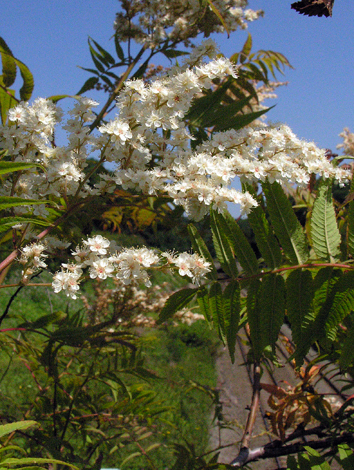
[(243, 455), (117, 89), (276, 449)]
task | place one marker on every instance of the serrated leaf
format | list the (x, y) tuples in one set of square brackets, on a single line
[(202, 107), (246, 49), (200, 247), (219, 15), (254, 318), (232, 309), (130, 457), (265, 239), (271, 308), (217, 308), (324, 283), (176, 302), (7, 222), (8, 64), (241, 120), (17, 426), (119, 50), (28, 81), (300, 292), (341, 305), (347, 351), (141, 70), (97, 59), (9, 167), (56, 98), (88, 85), (173, 53), (7, 101), (346, 456), (203, 302), (316, 460), (286, 226), (12, 201), (104, 54), (351, 222), (10, 462), (221, 113), (324, 230), (241, 247), (222, 244), (291, 463)]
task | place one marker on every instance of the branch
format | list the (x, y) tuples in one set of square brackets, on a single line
[(243, 456), (276, 449)]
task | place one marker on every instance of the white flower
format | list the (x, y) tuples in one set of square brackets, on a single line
[(118, 130), (192, 266), (67, 281), (101, 269), (98, 244)]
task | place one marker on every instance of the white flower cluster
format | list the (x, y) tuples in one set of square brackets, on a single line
[(153, 22), (348, 142), (150, 146), (102, 260), (30, 138)]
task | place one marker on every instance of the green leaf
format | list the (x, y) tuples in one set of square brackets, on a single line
[(17, 426), (200, 247), (316, 460), (203, 302), (176, 302), (347, 351), (254, 318), (346, 455), (241, 247), (219, 15), (291, 463), (240, 121), (341, 305), (246, 49), (12, 201), (141, 70), (324, 231), (7, 222), (44, 321), (28, 81), (222, 244), (6, 102), (265, 239), (9, 167), (271, 308), (99, 61), (88, 85), (13, 462), (217, 308), (173, 53), (202, 107), (232, 309), (300, 292), (286, 226), (351, 222), (8, 64), (119, 50), (324, 283), (218, 115), (109, 60)]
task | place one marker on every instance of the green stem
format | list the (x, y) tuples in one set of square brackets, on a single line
[(116, 91)]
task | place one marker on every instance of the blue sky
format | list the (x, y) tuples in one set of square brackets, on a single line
[(50, 36)]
